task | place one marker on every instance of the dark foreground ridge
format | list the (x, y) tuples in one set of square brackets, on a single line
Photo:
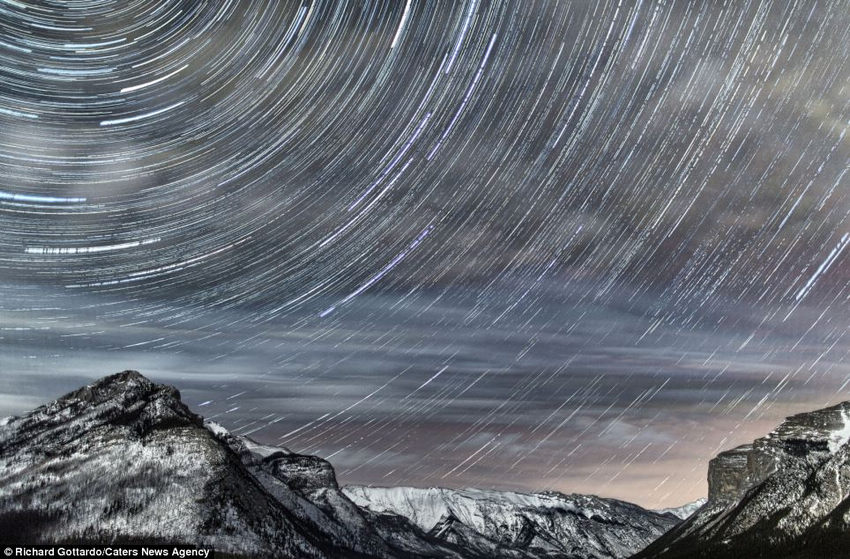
[(123, 460), (785, 496)]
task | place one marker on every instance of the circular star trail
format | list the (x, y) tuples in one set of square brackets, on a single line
[(479, 237)]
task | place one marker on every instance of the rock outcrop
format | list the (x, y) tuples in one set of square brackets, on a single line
[(783, 496)]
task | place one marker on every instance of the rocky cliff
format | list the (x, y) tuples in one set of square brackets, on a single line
[(783, 496)]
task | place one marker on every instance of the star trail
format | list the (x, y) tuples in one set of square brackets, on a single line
[(539, 245)]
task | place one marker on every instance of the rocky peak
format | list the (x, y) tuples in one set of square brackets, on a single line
[(300, 472), (820, 430), (783, 496), (803, 437), (127, 400), (123, 399), (123, 458)]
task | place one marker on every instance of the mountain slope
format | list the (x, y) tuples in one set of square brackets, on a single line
[(508, 524), (123, 459), (783, 496), (307, 487), (134, 463)]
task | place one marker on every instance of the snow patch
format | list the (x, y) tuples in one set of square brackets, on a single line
[(263, 450), (216, 429), (839, 438)]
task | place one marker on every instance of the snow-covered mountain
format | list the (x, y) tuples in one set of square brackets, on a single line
[(123, 459), (508, 524), (685, 510), (786, 495)]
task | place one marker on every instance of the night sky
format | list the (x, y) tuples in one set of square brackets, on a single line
[(532, 245)]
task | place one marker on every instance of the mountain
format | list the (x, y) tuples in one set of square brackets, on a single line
[(123, 460), (508, 524), (785, 496), (685, 510)]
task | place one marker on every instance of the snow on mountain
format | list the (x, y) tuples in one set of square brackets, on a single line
[(783, 496), (685, 510), (504, 523), (123, 459), (839, 437)]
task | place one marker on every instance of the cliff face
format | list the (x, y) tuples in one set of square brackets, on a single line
[(729, 475), (784, 495)]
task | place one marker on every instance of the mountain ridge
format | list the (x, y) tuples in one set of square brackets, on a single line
[(139, 466), (123, 459), (785, 495), (554, 523)]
